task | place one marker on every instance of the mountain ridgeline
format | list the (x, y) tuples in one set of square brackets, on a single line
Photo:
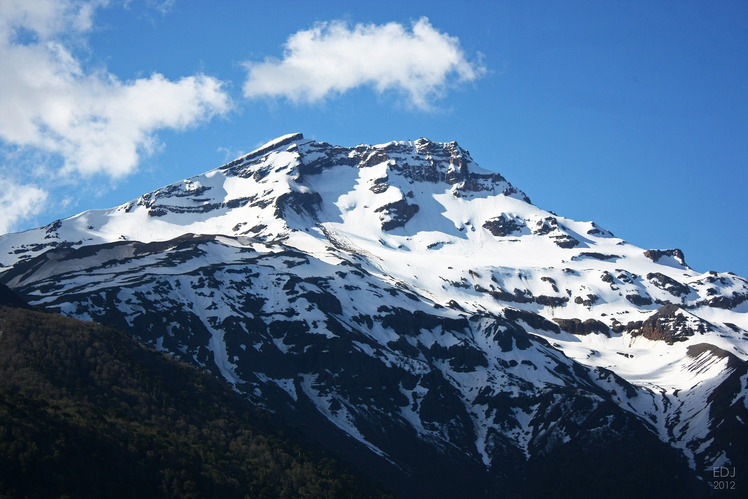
[(421, 317)]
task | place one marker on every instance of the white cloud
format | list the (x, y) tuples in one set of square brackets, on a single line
[(92, 120), (17, 202), (162, 6), (333, 58), (48, 18)]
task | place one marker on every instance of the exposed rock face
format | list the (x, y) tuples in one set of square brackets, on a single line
[(598, 231), (549, 226), (669, 324), (675, 254), (668, 284), (576, 326), (396, 214), (565, 241), (588, 301), (502, 226), (596, 256), (639, 300)]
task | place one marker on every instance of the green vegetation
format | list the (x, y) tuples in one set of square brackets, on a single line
[(87, 412)]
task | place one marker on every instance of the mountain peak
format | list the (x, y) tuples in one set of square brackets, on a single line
[(401, 286), (266, 148)]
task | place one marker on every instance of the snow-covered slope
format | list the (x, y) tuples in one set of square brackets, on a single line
[(405, 295)]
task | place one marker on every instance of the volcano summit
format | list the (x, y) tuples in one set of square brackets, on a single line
[(420, 316)]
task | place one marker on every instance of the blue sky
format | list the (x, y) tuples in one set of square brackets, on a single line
[(631, 114)]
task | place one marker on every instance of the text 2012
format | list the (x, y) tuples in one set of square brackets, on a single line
[(723, 484), (722, 477)]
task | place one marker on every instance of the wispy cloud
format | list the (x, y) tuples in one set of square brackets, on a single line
[(89, 120), (332, 58), (162, 6), (18, 201)]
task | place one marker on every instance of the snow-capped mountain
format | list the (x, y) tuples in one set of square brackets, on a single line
[(419, 307)]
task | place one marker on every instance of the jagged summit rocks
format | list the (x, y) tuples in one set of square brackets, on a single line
[(415, 311)]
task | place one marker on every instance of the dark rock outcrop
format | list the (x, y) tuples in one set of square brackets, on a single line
[(396, 214), (565, 241), (597, 256), (502, 226), (576, 326), (668, 324), (668, 284), (655, 255), (639, 300)]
